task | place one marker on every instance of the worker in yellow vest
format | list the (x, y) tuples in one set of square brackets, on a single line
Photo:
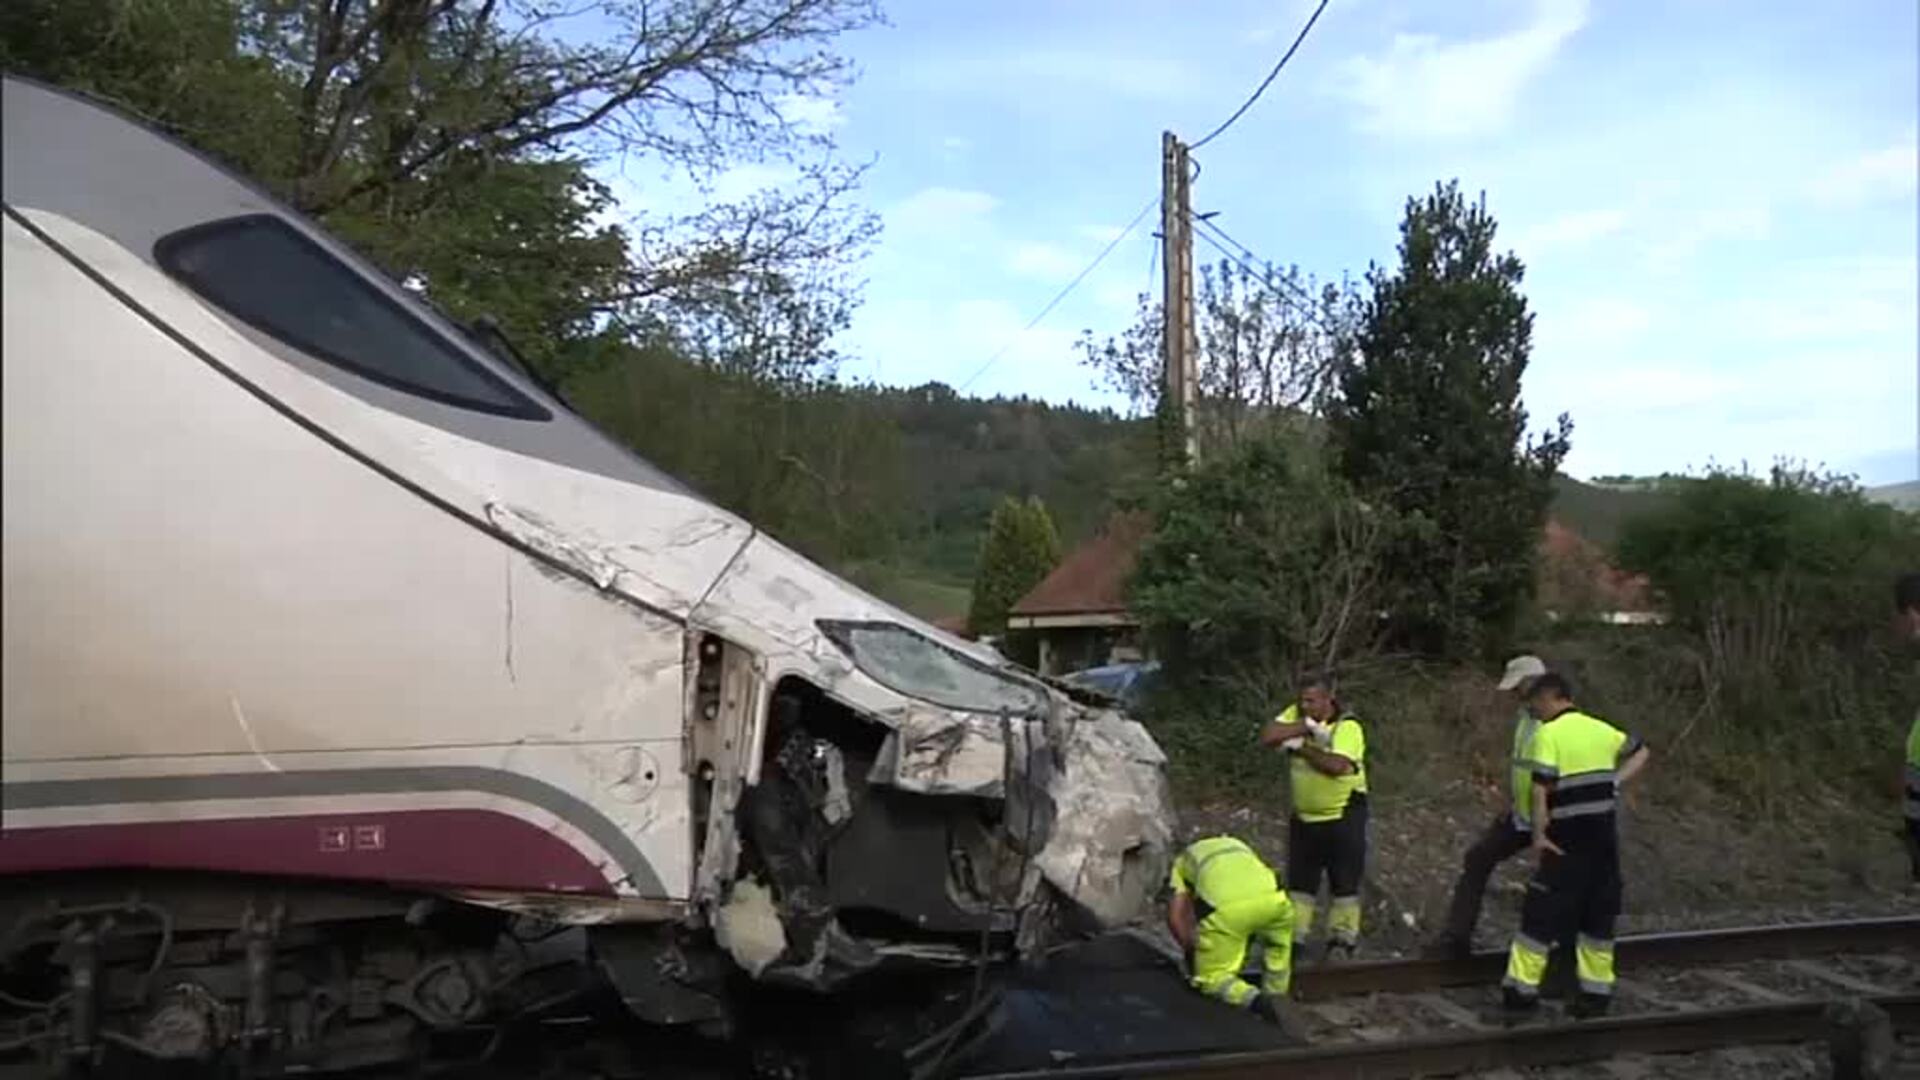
[(1225, 896), (1906, 601), (1580, 763), (1509, 833), (1327, 831)]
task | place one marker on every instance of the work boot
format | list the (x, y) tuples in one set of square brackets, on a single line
[(1276, 1010), (1589, 1006), (1516, 1006), (1338, 952)]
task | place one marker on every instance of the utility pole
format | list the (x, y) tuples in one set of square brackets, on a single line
[(1179, 344)]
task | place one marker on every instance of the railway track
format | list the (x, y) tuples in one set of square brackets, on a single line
[(1680, 993)]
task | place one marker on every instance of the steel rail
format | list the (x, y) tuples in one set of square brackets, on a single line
[(1530, 1046), (1639, 952)]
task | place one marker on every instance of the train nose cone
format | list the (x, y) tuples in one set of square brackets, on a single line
[(1113, 823)]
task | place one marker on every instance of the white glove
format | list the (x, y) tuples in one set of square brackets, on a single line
[(1294, 743), (1322, 733)]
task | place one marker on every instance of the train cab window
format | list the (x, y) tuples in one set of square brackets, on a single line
[(263, 272)]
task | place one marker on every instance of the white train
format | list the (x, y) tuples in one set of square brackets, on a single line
[(337, 652)]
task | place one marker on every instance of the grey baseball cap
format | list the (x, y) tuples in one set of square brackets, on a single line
[(1520, 669)]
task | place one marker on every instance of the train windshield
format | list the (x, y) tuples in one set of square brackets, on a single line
[(267, 274), (920, 667)]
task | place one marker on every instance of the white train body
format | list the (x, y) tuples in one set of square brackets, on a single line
[(301, 582)]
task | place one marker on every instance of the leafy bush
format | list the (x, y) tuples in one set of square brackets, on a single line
[(1262, 565), (1778, 593)]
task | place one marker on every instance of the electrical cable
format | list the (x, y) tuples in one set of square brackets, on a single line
[(1061, 295), (1268, 81), (1265, 270)]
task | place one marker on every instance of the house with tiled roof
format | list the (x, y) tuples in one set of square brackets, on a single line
[(1078, 613)]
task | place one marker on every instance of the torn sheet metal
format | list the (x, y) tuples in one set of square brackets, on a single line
[(1103, 812), (1111, 839), (932, 751)]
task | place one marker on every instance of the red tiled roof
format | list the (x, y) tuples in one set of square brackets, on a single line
[(1092, 579), (1616, 589)]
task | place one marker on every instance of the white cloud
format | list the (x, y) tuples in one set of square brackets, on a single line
[(1570, 231), (1600, 320), (811, 114), (1129, 75), (1888, 173), (1287, 20), (1748, 221), (937, 208), (743, 181), (1045, 262), (1425, 87)]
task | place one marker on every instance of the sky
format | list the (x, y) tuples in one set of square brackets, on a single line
[(1715, 199)]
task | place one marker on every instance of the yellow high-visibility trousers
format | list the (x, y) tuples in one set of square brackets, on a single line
[(1220, 948)]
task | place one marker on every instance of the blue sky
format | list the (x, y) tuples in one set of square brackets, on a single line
[(1715, 199)]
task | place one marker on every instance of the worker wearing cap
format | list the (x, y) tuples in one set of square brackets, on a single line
[(1327, 831), (1225, 895), (1510, 832), (1579, 764)]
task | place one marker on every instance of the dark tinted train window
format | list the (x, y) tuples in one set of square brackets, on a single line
[(266, 274)]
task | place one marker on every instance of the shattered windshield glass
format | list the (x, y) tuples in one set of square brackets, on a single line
[(923, 668)]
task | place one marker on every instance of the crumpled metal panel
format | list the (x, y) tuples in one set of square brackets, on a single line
[(1111, 840), (1105, 822), (932, 751)]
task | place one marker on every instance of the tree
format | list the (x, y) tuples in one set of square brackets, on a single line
[(1268, 345), (479, 119), (1427, 418), (1021, 548), (1781, 582), (1262, 565)]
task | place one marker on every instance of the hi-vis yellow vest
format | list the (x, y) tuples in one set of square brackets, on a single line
[(1317, 796)]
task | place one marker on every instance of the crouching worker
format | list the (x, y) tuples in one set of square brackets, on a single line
[(1225, 895)]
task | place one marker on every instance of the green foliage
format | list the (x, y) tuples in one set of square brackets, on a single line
[(1021, 548), (1267, 345), (450, 142), (818, 465), (1599, 510), (1428, 420), (1777, 590), (1262, 565)]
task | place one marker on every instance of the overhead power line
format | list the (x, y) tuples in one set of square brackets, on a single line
[(1268, 81), (1062, 294), (1219, 240)]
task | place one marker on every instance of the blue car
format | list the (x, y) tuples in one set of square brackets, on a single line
[(1127, 684)]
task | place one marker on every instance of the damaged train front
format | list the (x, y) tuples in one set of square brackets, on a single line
[(911, 800)]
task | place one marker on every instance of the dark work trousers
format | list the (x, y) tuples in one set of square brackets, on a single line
[(1913, 845), (1501, 840), (1336, 850), (1577, 893)]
